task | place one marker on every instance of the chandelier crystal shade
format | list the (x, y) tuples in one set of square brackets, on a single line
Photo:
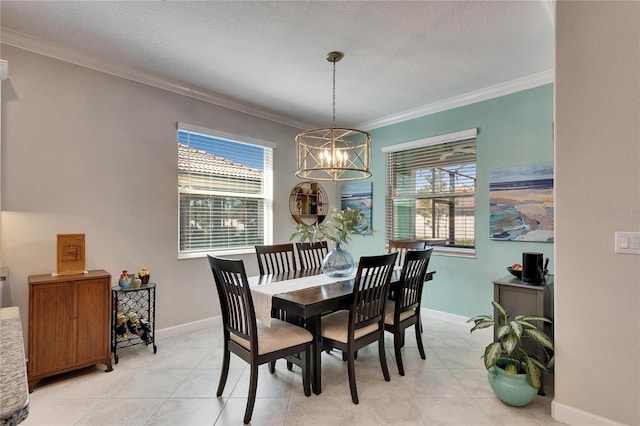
[(335, 153)]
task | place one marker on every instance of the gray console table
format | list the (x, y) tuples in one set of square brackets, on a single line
[(519, 298)]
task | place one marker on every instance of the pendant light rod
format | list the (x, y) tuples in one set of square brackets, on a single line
[(334, 57), (335, 154)]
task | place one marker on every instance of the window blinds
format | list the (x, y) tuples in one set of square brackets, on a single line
[(431, 192), (225, 193)]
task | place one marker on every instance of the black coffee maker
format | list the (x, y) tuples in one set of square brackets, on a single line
[(533, 271)]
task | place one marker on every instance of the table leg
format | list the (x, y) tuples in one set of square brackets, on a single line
[(313, 325)]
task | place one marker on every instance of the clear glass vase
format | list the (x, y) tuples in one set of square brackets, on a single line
[(338, 262)]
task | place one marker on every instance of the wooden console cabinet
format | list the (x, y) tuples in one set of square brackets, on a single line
[(69, 323)]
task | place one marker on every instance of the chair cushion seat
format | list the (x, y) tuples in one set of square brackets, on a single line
[(280, 335), (388, 313), (335, 326)]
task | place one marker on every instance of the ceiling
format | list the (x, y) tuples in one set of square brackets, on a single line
[(268, 58)]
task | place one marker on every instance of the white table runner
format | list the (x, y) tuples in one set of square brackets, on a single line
[(262, 295)]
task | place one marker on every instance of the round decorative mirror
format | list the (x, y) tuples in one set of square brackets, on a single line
[(308, 203)]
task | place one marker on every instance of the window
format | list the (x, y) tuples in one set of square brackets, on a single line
[(225, 192), (431, 187)]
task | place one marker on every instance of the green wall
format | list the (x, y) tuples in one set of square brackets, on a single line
[(515, 129)]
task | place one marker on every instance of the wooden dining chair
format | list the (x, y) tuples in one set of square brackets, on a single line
[(276, 258), (249, 339), (405, 310), (363, 323), (403, 246), (311, 254)]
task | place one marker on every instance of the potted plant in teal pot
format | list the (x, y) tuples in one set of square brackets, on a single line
[(342, 224), (515, 374)]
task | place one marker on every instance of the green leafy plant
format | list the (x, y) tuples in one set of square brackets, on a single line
[(338, 229), (507, 350)]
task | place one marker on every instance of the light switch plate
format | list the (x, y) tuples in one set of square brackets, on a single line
[(627, 242)]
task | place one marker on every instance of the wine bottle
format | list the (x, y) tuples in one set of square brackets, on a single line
[(146, 331), (133, 324)]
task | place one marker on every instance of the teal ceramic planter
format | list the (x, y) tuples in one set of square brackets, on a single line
[(511, 389)]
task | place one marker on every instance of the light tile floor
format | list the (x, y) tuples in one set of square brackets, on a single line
[(177, 386)]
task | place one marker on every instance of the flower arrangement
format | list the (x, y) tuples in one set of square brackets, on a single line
[(144, 274), (338, 229)]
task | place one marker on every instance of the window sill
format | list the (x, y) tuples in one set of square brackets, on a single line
[(229, 252), (454, 252)]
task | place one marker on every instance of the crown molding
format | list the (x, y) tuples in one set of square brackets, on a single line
[(97, 63), (491, 92)]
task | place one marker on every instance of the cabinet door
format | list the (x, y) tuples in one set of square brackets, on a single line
[(522, 301), (93, 299), (51, 329)]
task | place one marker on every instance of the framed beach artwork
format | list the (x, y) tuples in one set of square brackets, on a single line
[(521, 203), (358, 195)]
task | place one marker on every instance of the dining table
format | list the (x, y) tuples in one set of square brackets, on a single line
[(306, 295)]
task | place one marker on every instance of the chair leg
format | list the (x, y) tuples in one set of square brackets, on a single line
[(418, 327), (344, 355), (289, 365), (383, 356), (225, 370), (306, 371), (272, 367), (396, 346), (352, 377), (251, 400)]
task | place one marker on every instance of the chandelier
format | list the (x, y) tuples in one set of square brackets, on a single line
[(335, 154)]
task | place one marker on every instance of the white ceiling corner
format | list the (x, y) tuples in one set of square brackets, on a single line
[(402, 60)]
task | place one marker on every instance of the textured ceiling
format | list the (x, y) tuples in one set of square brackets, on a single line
[(271, 56)]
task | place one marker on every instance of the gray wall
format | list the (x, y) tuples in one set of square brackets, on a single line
[(86, 152), (597, 148)]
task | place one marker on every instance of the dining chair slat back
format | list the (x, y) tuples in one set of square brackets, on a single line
[(312, 254), (371, 289), (403, 246), (363, 323), (252, 341), (405, 310), (276, 258), (237, 307)]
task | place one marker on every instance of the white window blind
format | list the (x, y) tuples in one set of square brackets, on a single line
[(225, 193), (431, 190)]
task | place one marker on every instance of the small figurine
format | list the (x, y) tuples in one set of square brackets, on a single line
[(125, 279)]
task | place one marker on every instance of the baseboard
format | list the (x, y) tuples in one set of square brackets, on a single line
[(574, 416), (178, 330), (444, 316)]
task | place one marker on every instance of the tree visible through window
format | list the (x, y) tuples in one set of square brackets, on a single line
[(431, 191), (225, 193)]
